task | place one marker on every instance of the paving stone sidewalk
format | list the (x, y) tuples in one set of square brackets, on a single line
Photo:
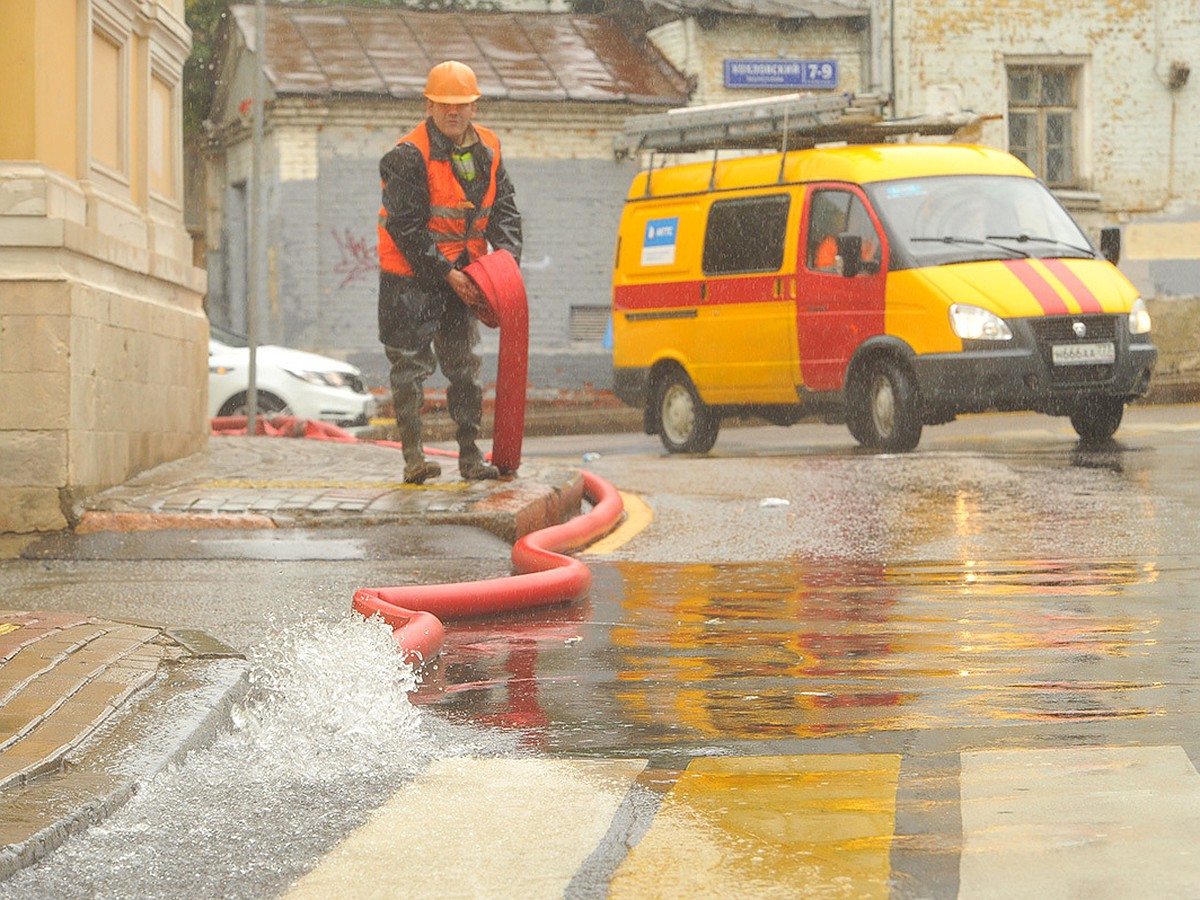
[(264, 482), (90, 708)]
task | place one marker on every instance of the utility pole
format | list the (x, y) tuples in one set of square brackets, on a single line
[(258, 268)]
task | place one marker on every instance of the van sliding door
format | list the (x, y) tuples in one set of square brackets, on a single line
[(746, 323)]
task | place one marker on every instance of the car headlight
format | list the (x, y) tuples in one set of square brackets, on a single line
[(332, 379), (971, 323), (1139, 317)]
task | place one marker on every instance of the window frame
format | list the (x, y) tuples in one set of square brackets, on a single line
[(859, 219), (781, 199), (170, 79), (1076, 67), (111, 23)]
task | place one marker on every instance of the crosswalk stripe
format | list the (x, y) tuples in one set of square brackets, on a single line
[(467, 827), (770, 826), (1089, 822)]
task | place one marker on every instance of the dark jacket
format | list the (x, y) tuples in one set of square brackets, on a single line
[(408, 302)]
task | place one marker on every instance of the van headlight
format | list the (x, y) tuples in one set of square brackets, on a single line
[(972, 323), (1139, 317)]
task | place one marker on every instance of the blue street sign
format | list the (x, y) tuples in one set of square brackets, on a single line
[(781, 73)]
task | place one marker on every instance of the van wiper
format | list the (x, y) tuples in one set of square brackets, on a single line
[(979, 242), (1026, 238)]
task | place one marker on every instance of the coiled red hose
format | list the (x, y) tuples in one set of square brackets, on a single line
[(544, 577)]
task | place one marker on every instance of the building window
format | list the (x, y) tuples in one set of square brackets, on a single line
[(1043, 111)]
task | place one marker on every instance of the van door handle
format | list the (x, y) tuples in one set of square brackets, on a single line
[(703, 291), (818, 309)]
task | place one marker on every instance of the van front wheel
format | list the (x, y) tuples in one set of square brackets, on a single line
[(885, 408), (1097, 419), (685, 423)]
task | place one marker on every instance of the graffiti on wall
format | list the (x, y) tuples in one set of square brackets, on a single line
[(357, 257)]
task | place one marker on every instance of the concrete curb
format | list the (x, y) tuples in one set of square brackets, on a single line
[(508, 508)]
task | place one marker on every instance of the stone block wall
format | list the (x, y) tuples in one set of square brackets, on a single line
[(103, 362)]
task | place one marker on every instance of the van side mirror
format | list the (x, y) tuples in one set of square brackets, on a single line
[(1110, 244), (849, 247)]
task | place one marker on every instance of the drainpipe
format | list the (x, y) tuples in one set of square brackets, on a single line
[(875, 75)]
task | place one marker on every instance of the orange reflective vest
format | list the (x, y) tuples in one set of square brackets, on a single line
[(451, 223)]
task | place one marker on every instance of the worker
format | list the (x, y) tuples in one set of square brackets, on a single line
[(446, 198)]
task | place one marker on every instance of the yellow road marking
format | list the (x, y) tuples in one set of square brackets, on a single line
[(770, 826), (6, 627), (478, 827), (637, 516)]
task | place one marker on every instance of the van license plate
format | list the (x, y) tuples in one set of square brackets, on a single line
[(1084, 354)]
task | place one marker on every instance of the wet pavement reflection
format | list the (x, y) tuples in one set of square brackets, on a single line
[(690, 655)]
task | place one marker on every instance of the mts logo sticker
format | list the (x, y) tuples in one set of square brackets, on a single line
[(658, 243)]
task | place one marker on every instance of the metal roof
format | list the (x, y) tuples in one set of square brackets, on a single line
[(774, 9), (516, 56)]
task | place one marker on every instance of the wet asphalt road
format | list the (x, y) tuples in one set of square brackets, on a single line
[(1000, 589)]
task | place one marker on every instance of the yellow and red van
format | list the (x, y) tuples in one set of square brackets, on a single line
[(887, 286)]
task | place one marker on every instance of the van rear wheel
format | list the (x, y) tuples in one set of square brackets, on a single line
[(885, 408), (685, 423)]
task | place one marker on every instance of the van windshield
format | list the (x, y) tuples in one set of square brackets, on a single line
[(964, 218)]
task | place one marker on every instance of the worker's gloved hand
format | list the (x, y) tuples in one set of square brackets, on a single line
[(470, 294)]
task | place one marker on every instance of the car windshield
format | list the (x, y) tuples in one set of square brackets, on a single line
[(228, 338), (964, 218)]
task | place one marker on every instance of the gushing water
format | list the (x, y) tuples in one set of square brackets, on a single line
[(325, 734), (315, 716)]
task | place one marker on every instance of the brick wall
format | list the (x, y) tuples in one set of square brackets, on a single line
[(701, 52), (1137, 136)]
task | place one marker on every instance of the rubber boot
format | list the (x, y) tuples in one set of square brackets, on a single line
[(471, 464), (417, 469)]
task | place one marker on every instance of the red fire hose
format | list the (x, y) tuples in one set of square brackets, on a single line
[(544, 577), (499, 279)]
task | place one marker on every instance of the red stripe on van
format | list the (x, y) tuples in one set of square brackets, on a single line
[(1041, 289), (716, 292), (654, 296), (1081, 292)]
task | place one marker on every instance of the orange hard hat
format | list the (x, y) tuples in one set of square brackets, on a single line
[(452, 82)]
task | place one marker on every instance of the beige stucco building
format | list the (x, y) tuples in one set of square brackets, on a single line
[(103, 338)]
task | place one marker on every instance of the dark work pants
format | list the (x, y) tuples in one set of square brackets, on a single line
[(448, 342)]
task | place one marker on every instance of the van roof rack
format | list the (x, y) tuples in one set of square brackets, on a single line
[(784, 122)]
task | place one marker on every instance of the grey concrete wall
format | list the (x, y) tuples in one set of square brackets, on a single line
[(324, 271)]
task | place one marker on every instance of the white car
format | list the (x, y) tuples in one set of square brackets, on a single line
[(289, 382)]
